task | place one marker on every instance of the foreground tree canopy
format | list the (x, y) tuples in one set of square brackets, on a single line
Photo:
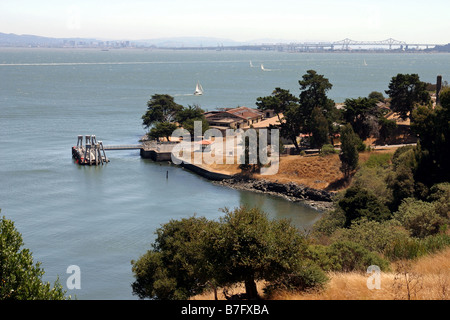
[(20, 278), (191, 255)]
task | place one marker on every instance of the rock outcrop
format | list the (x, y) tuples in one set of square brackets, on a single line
[(319, 199)]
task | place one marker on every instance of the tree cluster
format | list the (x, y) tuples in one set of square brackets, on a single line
[(164, 115), (399, 205), (312, 112)]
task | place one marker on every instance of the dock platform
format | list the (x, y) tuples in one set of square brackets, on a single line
[(91, 153)]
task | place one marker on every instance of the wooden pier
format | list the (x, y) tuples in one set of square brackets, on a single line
[(91, 153)]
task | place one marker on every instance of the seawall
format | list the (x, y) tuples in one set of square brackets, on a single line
[(156, 156)]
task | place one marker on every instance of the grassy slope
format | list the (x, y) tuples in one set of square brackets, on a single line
[(429, 279), (314, 171)]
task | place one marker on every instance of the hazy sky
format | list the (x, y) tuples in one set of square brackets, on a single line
[(242, 20)]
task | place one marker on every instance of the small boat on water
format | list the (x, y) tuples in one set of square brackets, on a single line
[(262, 67), (198, 89)]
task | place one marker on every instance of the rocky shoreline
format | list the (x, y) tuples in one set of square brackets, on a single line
[(317, 199)]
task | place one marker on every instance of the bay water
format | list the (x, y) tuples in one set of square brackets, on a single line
[(101, 218)]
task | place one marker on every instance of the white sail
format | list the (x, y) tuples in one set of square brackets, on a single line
[(251, 64), (262, 67), (198, 89), (365, 63)]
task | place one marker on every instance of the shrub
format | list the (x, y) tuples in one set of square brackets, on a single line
[(359, 202), (327, 149), (361, 146), (349, 153), (328, 223), (378, 160), (351, 256), (376, 95), (308, 277), (319, 254), (387, 128), (346, 256), (372, 235), (401, 182), (440, 196), (404, 156), (413, 248), (373, 178), (419, 217)]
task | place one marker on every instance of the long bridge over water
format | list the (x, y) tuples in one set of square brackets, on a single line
[(342, 45)]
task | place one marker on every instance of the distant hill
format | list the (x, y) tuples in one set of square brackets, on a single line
[(179, 42), (25, 40), (14, 40), (19, 40)]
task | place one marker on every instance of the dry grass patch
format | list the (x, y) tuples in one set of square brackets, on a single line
[(425, 279)]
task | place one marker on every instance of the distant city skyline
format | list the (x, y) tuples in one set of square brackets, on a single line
[(243, 20)]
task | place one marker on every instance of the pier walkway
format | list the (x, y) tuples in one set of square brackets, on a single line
[(124, 147)]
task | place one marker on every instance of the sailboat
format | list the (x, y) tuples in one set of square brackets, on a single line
[(365, 63), (198, 90), (262, 67), (251, 64)]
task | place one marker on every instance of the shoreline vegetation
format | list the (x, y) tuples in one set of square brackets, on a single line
[(379, 172)]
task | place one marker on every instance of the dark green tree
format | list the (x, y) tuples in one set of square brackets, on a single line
[(378, 96), (387, 128), (280, 101), (193, 254), (314, 88), (249, 247), (319, 129), (187, 117), (405, 91), (401, 178), (359, 202), (358, 113), (349, 153), (162, 130), (160, 108), (286, 106), (20, 277), (175, 267), (291, 127), (191, 112), (251, 162), (433, 151)]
